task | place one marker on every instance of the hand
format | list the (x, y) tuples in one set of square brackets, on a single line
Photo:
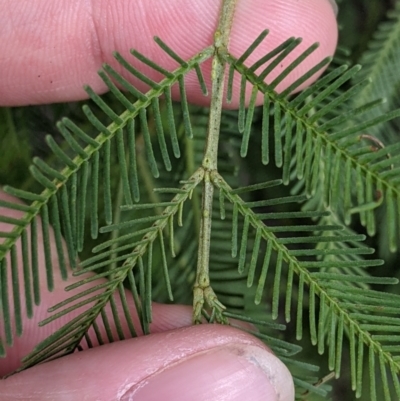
[(48, 50)]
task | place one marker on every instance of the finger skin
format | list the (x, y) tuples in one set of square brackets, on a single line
[(207, 362), (50, 48)]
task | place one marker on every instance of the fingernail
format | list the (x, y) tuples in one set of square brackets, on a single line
[(229, 373), (334, 6)]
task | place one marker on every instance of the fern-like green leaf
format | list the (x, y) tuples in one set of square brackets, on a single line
[(317, 138), (154, 226)]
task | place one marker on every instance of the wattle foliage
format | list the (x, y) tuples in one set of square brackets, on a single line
[(126, 199)]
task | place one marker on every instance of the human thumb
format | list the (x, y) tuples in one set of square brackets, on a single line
[(50, 49)]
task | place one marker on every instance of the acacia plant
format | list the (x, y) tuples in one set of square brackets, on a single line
[(161, 199)]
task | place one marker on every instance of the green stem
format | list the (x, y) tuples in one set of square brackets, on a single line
[(221, 41), (202, 281), (203, 294)]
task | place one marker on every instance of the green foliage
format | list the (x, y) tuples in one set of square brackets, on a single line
[(137, 202)]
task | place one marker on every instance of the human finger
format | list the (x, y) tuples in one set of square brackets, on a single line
[(50, 48), (207, 362)]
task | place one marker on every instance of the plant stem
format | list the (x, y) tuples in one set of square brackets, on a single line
[(221, 41), (203, 293)]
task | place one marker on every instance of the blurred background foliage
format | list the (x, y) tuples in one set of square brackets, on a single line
[(358, 20), (23, 129)]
